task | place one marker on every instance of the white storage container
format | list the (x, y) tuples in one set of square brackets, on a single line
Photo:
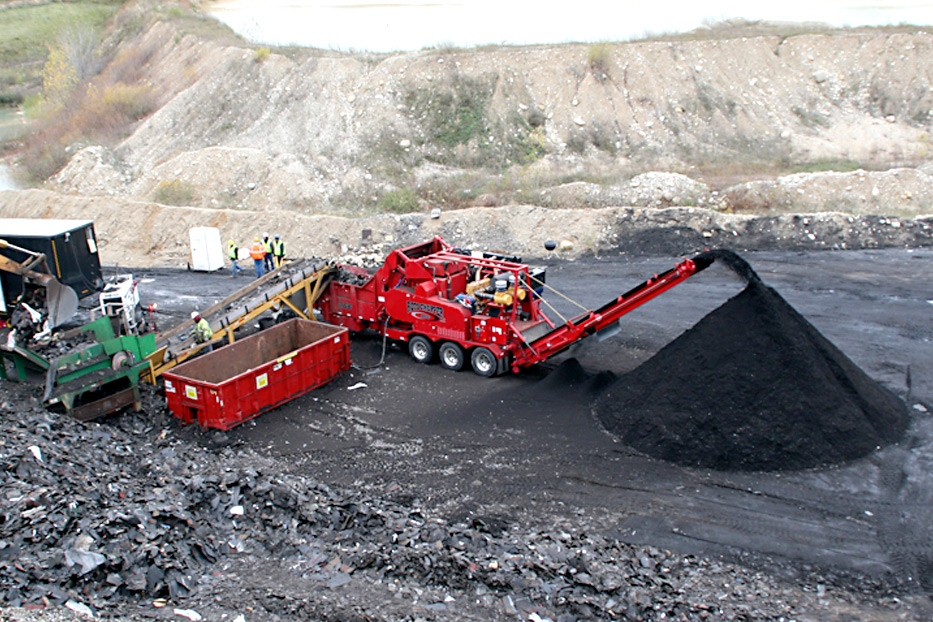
[(206, 253)]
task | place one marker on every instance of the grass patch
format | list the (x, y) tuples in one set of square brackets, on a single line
[(11, 125), (453, 114), (742, 28), (515, 185), (174, 192), (719, 174), (388, 155), (25, 33), (457, 128), (823, 166), (401, 201)]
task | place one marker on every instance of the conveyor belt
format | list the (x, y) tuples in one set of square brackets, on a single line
[(291, 285)]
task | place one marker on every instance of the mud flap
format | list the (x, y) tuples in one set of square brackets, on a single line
[(503, 364)]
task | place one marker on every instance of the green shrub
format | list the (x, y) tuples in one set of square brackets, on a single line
[(401, 201), (598, 59), (44, 154), (78, 104), (261, 54), (106, 114), (578, 141), (59, 78), (530, 145), (175, 192), (536, 118), (454, 115)]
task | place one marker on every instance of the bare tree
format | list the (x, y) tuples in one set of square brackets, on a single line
[(80, 47)]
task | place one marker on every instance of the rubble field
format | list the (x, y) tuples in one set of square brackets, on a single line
[(407, 492)]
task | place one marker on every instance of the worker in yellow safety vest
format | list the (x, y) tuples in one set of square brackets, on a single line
[(278, 250), (267, 258), (202, 331), (257, 251), (233, 252)]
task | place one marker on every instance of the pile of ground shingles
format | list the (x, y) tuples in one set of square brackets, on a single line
[(135, 516)]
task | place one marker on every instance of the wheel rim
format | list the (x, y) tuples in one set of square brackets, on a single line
[(451, 357), (483, 363), (420, 350)]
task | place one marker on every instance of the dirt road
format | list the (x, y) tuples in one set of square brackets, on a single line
[(528, 446)]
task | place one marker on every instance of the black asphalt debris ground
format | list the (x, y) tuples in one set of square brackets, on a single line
[(407, 492)]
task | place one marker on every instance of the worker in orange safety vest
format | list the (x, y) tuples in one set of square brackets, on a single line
[(257, 250)]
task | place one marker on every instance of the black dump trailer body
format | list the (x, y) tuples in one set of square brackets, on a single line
[(70, 248)]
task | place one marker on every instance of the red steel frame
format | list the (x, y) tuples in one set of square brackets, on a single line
[(413, 292), (593, 321)]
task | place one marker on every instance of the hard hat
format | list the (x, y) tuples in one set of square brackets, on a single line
[(276, 236), (230, 242), (195, 315), (265, 235), (255, 239)]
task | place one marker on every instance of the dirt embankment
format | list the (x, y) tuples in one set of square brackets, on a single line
[(149, 234)]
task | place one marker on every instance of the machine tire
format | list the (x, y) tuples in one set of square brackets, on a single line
[(140, 319), (484, 362), (421, 349), (452, 356), (123, 359)]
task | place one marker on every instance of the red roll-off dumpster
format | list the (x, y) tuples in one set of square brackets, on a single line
[(239, 381)]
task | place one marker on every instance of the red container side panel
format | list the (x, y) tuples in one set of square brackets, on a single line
[(349, 305), (237, 382)]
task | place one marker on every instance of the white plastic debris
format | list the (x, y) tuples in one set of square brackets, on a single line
[(36, 452), (191, 614), (79, 608), (237, 510), (240, 618), (358, 385)]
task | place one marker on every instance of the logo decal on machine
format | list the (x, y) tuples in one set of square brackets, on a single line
[(424, 311)]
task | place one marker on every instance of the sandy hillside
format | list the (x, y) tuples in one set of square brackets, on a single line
[(295, 141)]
